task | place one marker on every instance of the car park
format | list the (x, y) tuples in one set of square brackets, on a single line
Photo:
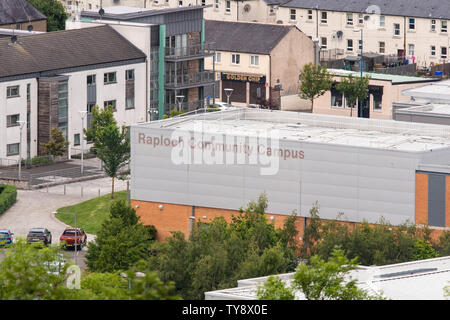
[(70, 236), (39, 235), (6, 236)]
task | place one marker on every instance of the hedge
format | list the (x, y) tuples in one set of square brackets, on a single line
[(8, 195)]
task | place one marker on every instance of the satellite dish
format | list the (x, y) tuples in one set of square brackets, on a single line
[(366, 18), (279, 22), (30, 27), (339, 34), (101, 12), (247, 8)]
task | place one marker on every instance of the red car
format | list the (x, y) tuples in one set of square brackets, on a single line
[(68, 238)]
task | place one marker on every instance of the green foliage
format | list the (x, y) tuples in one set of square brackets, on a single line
[(24, 273), (213, 108), (57, 146), (219, 253), (8, 196), (120, 243), (54, 11), (444, 244), (447, 291), (114, 150), (423, 250), (354, 88), (322, 280), (274, 289), (315, 80), (311, 233), (101, 118), (173, 113)]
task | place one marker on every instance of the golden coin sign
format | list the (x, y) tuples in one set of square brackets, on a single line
[(243, 77)]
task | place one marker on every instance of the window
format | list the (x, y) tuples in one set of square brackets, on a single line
[(360, 45), (433, 25), (218, 57), (382, 21), (360, 18), (109, 78), (180, 3), (129, 74), (12, 149), (377, 93), (217, 4), (323, 43), (63, 106), (254, 60), (396, 29), (336, 97), (110, 103), (12, 120), (76, 139), (28, 91), (412, 23), (90, 6), (91, 80), (443, 52), (411, 49), (228, 6), (323, 17), (310, 15), (381, 47), (293, 15), (235, 58), (203, 2), (12, 91), (349, 45), (433, 50), (349, 19), (444, 26), (129, 103)]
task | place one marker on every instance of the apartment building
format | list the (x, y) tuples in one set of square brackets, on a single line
[(48, 79), (73, 6), (176, 53), (20, 15), (260, 62)]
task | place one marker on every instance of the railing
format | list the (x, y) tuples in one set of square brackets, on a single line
[(4, 162), (185, 106), (200, 49), (189, 79)]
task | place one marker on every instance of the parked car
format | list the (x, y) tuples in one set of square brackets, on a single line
[(6, 236), (68, 238), (39, 235), (223, 105)]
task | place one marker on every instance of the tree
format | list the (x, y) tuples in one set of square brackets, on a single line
[(423, 250), (274, 289), (218, 253), (25, 273), (57, 146), (315, 80), (101, 118), (114, 150), (322, 280), (121, 242), (54, 11), (354, 89)]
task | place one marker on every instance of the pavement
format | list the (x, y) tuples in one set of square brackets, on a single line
[(34, 208)]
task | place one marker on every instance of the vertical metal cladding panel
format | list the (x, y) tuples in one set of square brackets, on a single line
[(91, 94), (436, 200)]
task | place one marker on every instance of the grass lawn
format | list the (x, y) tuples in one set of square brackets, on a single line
[(90, 213)]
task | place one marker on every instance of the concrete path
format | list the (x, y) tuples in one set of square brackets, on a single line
[(34, 208)]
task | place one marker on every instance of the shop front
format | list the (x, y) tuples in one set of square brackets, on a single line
[(248, 89)]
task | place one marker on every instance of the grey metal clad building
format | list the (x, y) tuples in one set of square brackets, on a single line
[(364, 168)]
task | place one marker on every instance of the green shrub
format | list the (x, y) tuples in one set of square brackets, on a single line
[(8, 196), (37, 160)]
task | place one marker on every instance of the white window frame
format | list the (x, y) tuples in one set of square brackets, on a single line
[(411, 49), (254, 61), (396, 30), (433, 51), (293, 15), (218, 57), (8, 146), (322, 20), (228, 6), (413, 24), (9, 123), (444, 26), (108, 80), (322, 46), (349, 18), (217, 4), (310, 14), (444, 56), (350, 48), (382, 21), (11, 89), (433, 25), (382, 47), (235, 59), (360, 18)]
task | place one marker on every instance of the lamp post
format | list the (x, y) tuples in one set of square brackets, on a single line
[(179, 100), (82, 115), (138, 274), (228, 92), (360, 68), (151, 112), (21, 124)]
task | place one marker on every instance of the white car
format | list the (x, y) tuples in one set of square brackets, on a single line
[(224, 106)]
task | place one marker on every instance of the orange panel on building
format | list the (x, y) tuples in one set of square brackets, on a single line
[(421, 198)]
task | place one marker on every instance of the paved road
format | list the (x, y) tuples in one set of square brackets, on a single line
[(34, 208)]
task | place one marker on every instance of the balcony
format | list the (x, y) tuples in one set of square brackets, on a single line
[(189, 80), (190, 52)]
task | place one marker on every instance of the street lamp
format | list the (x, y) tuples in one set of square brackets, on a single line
[(179, 100), (82, 115), (138, 274), (151, 112), (228, 92), (21, 123)]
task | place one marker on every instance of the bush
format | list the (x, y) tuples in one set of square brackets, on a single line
[(8, 196), (37, 161)]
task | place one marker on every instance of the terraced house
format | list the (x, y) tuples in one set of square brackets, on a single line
[(50, 80)]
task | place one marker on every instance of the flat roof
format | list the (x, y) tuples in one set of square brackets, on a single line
[(416, 280), (395, 79), (430, 109), (434, 91), (316, 128)]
